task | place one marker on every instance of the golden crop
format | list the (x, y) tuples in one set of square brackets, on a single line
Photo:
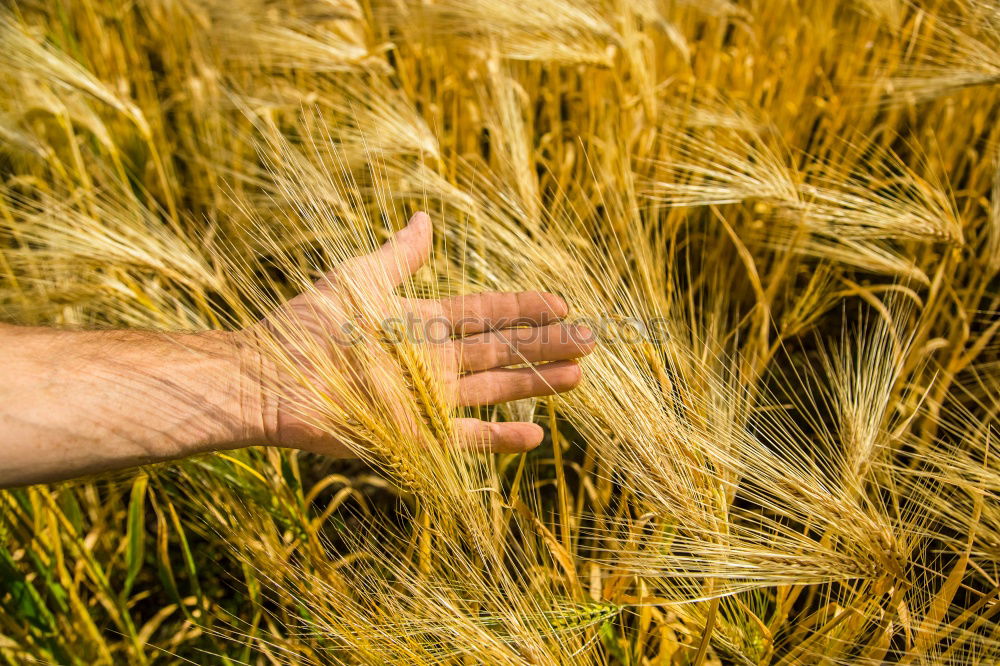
[(782, 216)]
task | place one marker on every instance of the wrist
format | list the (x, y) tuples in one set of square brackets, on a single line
[(256, 405), (230, 384)]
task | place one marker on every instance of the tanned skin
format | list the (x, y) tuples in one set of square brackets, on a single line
[(75, 403)]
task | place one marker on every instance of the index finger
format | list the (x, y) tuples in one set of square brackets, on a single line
[(487, 311)]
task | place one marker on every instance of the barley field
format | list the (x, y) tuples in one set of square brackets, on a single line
[(781, 218)]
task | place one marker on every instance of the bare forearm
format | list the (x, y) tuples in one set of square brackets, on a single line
[(78, 402), (81, 402)]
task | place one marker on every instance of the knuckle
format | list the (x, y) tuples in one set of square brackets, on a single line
[(502, 353), (518, 306), (527, 383)]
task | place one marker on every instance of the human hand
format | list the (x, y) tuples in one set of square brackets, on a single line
[(317, 353)]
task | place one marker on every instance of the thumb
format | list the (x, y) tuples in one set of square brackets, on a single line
[(400, 256)]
